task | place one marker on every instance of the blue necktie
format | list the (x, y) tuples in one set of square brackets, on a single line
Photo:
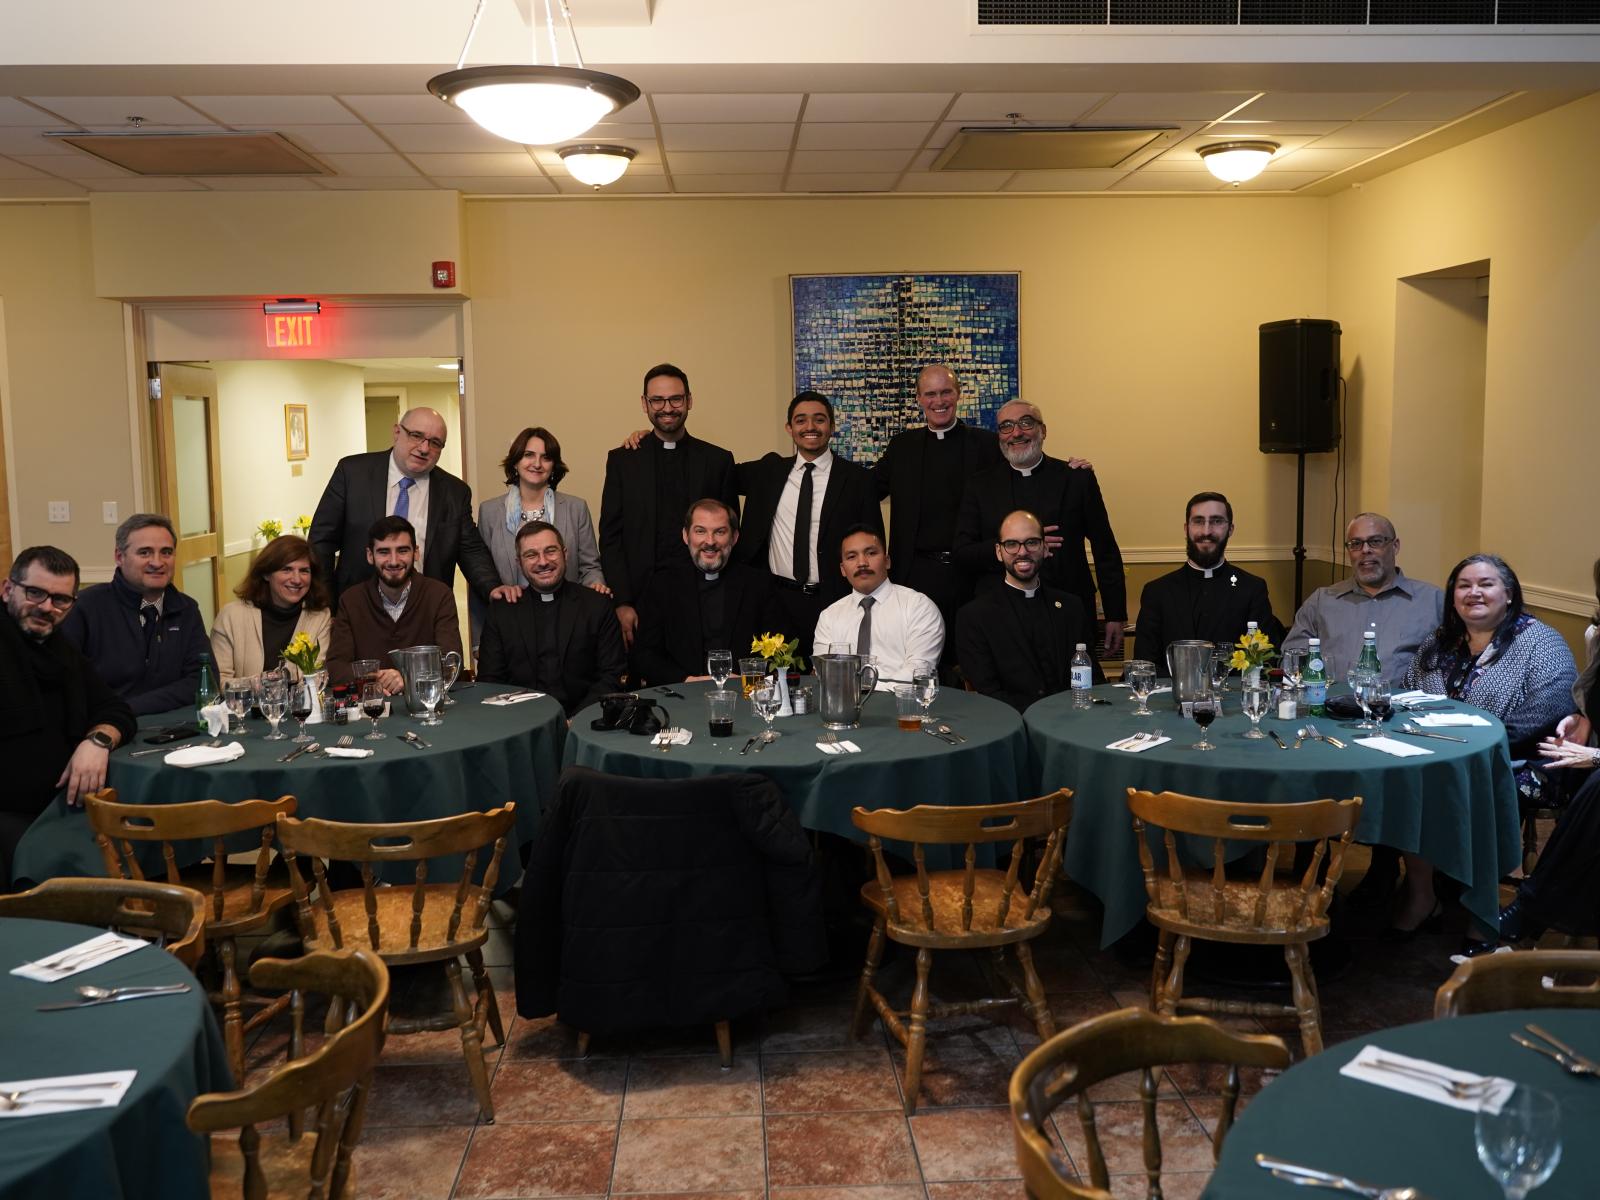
[(402, 502)]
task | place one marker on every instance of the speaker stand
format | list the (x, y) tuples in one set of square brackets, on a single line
[(1300, 531)]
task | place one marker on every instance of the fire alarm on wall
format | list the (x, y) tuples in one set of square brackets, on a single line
[(444, 274)]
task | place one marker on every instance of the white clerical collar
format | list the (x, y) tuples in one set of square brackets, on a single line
[(1208, 572), (711, 576), (940, 433), (547, 597), (1029, 592), (1030, 468)]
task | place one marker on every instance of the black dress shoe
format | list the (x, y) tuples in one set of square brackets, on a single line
[(1515, 925), (1472, 948)]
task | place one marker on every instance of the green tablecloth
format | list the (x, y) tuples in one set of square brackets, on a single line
[(895, 769), (481, 757), (1457, 807), (141, 1148), (1316, 1117)]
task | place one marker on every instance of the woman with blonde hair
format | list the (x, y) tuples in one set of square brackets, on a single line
[(283, 595)]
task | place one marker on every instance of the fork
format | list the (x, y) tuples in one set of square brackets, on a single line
[(14, 1100), (1474, 1089)]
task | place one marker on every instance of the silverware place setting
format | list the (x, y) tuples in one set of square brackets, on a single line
[(92, 996), (948, 732), (1459, 1089), (1311, 1177), (51, 1093), (1417, 731), (1136, 739), (308, 748), (1310, 733), (933, 732), (1273, 734), (414, 739), (1570, 1060)]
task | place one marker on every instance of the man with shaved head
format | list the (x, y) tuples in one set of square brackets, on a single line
[(405, 481)]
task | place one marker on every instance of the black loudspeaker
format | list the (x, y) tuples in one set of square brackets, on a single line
[(1299, 387)]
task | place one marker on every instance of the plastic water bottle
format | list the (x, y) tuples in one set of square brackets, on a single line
[(206, 693), (1368, 661), (1314, 681), (1082, 677)]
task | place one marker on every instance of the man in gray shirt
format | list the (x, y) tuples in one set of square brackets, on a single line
[(1403, 610)]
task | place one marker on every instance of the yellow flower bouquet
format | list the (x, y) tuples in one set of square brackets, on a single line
[(304, 652), (302, 524), (1252, 650), (780, 654), (270, 529)]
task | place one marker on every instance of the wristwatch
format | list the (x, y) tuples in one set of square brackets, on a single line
[(100, 738)]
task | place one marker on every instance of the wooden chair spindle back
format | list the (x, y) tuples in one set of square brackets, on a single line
[(1526, 979), (169, 912)]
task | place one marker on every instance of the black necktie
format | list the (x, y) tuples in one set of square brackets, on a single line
[(864, 630), (802, 529)]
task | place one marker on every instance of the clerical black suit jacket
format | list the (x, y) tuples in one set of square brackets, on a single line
[(589, 643), (851, 499), (670, 646), (628, 508), (997, 656), (1169, 611), (899, 476), (1075, 505), (357, 495)]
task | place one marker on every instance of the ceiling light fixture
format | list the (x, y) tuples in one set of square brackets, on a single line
[(535, 105), (275, 308), (1235, 162), (596, 165)]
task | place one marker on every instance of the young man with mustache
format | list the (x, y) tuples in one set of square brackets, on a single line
[(893, 625), (1208, 597)]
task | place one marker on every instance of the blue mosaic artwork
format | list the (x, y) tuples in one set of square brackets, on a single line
[(861, 339)]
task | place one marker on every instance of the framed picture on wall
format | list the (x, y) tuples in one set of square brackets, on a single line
[(296, 432)]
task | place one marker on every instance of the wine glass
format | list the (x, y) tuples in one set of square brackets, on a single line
[(767, 702), (1256, 696), (1221, 664), (1205, 710), (1141, 677), (430, 690), (237, 694), (1520, 1145), (1361, 683), (300, 705), (273, 699), (925, 684), (719, 665), (1378, 701), (372, 702)]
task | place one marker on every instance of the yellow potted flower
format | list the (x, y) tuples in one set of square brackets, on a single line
[(305, 652), (781, 659), (1251, 652)]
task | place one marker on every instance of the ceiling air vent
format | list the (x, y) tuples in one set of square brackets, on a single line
[(199, 153), (1042, 148)]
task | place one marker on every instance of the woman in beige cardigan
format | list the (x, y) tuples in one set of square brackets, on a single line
[(284, 594)]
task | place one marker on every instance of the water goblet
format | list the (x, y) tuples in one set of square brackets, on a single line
[(925, 684), (430, 690), (1141, 677), (1361, 683), (372, 704), (1520, 1145), (1256, 696), (237, 694), (767, 701), (1205, 710), (272, 698), (719, 665)]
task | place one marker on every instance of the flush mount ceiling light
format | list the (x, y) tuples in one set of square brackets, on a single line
[(535, 105), (1235, 162), (596, 165)]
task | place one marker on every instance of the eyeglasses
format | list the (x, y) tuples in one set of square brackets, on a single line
[(1209, 522), (36, 595), (660, 402), (1031, 545), (421, 438), (1026, 424), (1377, 542)]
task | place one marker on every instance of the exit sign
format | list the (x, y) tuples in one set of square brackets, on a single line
[(291, 330)]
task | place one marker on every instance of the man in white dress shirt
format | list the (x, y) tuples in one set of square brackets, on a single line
[(893, 625)]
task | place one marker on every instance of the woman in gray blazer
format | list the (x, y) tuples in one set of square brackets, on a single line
[(533, 470)]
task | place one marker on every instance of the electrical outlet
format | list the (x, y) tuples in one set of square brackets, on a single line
[(60, 512), (108, 512)]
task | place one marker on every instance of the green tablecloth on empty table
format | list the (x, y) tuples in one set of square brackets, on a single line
[(1457, 807), (480, 757), (1316, 1117), (141, 1149), (895, 769)]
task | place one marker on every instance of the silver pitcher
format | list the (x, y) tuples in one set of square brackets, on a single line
[(1189, 663), (424, 662), (846, 682)]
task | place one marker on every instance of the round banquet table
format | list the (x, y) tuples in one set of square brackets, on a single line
[(895, 769), (1315, 1117), (141, 1148), (1457, 806), (480, 757)]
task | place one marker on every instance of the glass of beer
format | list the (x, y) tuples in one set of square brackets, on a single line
[(751, 672), (906, 709)]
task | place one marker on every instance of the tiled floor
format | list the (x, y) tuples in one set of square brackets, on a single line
[(805, 1113)]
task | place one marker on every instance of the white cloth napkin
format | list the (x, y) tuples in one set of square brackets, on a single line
[(56, 1094), (203, 756), (216, 717), (1139, 747), (1391, 746), (673, 737), (347, 752), (80, 957), (513, 697), (1448, 720), (839, 747), (1362, 1067)]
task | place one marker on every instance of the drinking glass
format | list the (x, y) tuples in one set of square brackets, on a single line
[(365, 668), (1141, 677), (1221, 664), (302, 698), (237, 694), (719, 665), (1292, 662), (430, 690), (752, 671), (906, 706), (272, 699), (1255, 707), (1205, 709), (1379, 702), (767, 702), (1521, 1144), (372, 702), (1361, 684), (719, 708), (925, 683)]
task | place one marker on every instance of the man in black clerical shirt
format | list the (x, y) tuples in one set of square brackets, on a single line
[(702, 602), (646, 491), (1016, 642), (1208, 597), (560, 638)]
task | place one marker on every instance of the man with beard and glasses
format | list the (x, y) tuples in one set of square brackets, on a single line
[(1069, 505), (1208, 597), (1016, 642), (392, 609), (561, 638), (702, 602), (59, 721)]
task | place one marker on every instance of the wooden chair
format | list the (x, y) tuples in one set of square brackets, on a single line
[(403, 925), (1196, 903), (335, 1079), (1525, 979), (1132, 1039), (240, 899), (172, 915), (962, 909)]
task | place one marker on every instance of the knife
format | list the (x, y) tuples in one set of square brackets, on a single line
[(414, 739), (747, 745), (1295, 1172), (108, 1000), (296, 753), (1273, 734)]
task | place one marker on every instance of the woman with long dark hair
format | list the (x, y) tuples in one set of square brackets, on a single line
[(283, 594), (533, 468)]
